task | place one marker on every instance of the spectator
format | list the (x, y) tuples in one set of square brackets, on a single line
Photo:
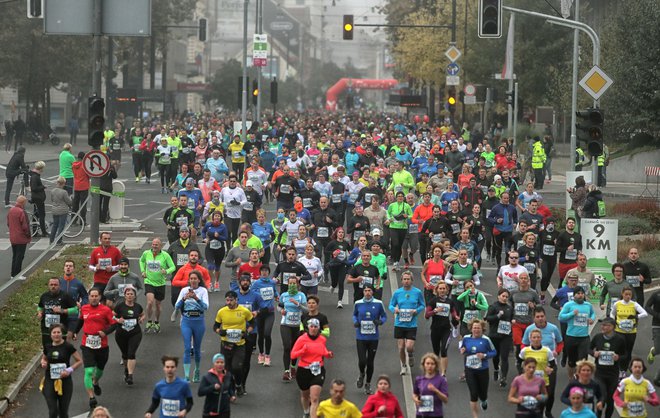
[(19, 234), (14, 167)]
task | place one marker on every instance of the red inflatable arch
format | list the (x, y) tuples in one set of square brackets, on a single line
[(356, 83)]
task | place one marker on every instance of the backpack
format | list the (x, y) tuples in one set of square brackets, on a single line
[(601, 208)]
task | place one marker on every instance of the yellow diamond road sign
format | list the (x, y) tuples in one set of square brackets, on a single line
[(453, 53), (596, 82)]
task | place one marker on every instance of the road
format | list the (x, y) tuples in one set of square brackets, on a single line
[(265, 387)]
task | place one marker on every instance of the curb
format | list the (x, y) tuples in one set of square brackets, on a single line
[(15, 388)]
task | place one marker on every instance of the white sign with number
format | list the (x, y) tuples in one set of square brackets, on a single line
[(453, 80), (599, 243)]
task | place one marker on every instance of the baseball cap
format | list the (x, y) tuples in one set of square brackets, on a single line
[(376, 231), (249, 183), (607, 320)]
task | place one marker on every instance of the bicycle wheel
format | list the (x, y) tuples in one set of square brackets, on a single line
[(34, 224), (75, 226)]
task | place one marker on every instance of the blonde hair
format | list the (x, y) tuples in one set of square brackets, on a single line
[(102, 409), (433, 357), (587, 363), (61, 181), (39, 165)]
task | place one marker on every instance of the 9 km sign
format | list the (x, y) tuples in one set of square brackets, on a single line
[(599, 239)]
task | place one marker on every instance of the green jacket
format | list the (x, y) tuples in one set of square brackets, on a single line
[(395, 209), (404, 179), (481, 304), (153, 267), (66, 164)]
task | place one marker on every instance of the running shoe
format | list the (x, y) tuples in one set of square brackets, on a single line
[(306, 414), (332, 289), (360, 381), (484, 405), (261, 359), (461, 378), (502, 382), (651, 357), (148, 180), (216, 287), (340, 305), (496, 374), (403, 370), (97, 389), (196, 376), (542, 300), (396, 267), (137, 179), (240, 391), (156, 327), (175, 313), (286, 376), (267, 360), (149, 328), (367, 389), (93, 403), (129, 379)]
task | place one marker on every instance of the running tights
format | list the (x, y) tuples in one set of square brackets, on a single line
[(366, 350), (289, 337), (264, 330), (192, 328)]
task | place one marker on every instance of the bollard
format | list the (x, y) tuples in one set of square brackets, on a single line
[(116, 206)]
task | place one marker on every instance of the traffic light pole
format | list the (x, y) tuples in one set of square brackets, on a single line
[(245, 86), (576, 46), (257, 116), (96, 90)]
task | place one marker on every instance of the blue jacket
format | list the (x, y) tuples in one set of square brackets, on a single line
[(510, 219), (267, 160), (264, 232), (76, 289), (250, 300), (351, 162), (267, 290), (364, 313), (473, 346), (196, 196), (578, 326), (209, 231), (403, 299)]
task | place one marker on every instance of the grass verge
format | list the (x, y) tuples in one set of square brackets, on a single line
[(20, 334)]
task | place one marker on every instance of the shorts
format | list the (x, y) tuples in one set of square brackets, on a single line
[(95, 357), (517, 331), (306, 379), (158, 291), (403, 333), (563, 268)]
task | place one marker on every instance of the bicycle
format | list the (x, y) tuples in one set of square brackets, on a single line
[(75, 226)]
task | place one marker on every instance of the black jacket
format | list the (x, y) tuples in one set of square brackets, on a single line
[(590, 208), (16, 163), (37, 187), (217, 401)]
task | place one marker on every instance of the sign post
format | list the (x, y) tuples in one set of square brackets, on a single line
[(599, 244)]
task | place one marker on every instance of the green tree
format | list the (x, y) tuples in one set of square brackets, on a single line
[(224, 85)]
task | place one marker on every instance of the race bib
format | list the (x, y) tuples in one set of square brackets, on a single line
[(521, 309), (285, 188), (571, 254), (292, 318), (581, 320), (473, 362), (153, 266), (164, 159), (529, 402), (406, 315), (636, 409), (487, 213), (93, 342), (105, 262), (122, 289), (315, 368), (358, 234), (548, 250), (366, 281), (51, 319), (287, 276), (236, 155), (504, 327), (322, 232), (129, 324), (398, 188), (352, 197), (307, 202), (181, 259), (191, 204), (470, 315), (234, 335), (633, 281), (442, 309), (531, 268), (434, 280), (413, 229), (215, 244), (436, 238), (182, 221), (426, 404), (459, 288), (170, 407), (336, 198), (249, 206), (186, 150), (626, 325), (136, 147), (539, 373), (606, 358), (455, 228), (367, 197), (56, 370), (267, 293)]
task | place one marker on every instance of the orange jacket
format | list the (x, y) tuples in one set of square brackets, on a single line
[(180, 279), (422, 214)]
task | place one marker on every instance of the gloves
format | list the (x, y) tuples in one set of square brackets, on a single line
[(223, 332), (378, 322), (356, 324), (234, 202)]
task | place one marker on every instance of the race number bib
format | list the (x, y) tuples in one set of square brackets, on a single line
[(434, 280), (504, 327), (442, 309), (248, 206), (358, 234), (105, 262), (292, 318), (215, 244), (267, 293), (51, 319), (367, 328), (336, 198), (191, 204), (633, 281), (521, 309), (234, 335), (531, 268), (426, 404), (352, 197), (236, 155), (470, 315), (287, 276), (181, 259), (606, 358), (164, 159), (307, 202), (56, 370), (548, 250), (366, 281), (93, 342), (529, 402), (322, 232), (472, 362), (367, 197), (285, 188), (413, 229), (436, 238), (129, 324), (170, 407), (626, 325), (153, 266), (406, 315), (581, 320), (636, 409), (571, 254), (455, 228), (122, 289), (182, 221), (315, 368)]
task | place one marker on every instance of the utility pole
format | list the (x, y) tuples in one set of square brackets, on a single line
[(259, 30), (245, 86), (96, 91), (576, 48)]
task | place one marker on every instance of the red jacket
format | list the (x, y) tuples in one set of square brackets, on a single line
[(19, 227), (80, 178), (378, 399), (180, 279)]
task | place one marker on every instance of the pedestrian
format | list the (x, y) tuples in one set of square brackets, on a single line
[(19, 234), (60, 204), (38, 195), (73, 129), (172, 395), (383, 403), (105, 185), (80, 187), (57, 385), (9, 131), (430, 390), (15, 167), (19, 132), (539, 160), (217, 388), (66, 160), (129, 315), (193, 301)]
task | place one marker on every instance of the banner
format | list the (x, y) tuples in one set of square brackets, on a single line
[(507, 68), (599, 244)]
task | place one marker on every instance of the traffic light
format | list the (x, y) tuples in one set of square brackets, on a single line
[(348, 27), (255, 92), (273, 91), (511, 96), (202, 30), (95, 121), (35, 9), (590, 129), (451, 100), (490, 19)]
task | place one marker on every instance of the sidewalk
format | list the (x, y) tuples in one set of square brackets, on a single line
[(41, 152)]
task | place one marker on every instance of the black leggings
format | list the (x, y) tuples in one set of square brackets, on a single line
[(629, 339), (503, 240), (164, 171), (610, 382), (147, 160), (337, 277), (265, 260), (397, 236), (477, 382), (214, 257), (40, 207), (250, 342), (501, 360), (264, 330), (547, 406), (58, 405), (234, 357), (289, 336), (137, 164), (366, 350), (547, 270), (440, 337), (128, 343), (232, 225)]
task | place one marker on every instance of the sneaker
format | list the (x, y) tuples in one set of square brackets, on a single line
[(306, 414), (286, 376), (156, 327), (651, 357), (340, 305), (332, 290), (93, 403), (542, 300), (484, 405), (411, 360), (137, 179), (149, 327), (496, 374), (293, 373), (403, 370), (396, 267), (129, 379), (261, 359), (216, 287), (175, 313), (367, 389), (267, 360), (240, 391), (360, 381), (622, 374), (196, 376), (148, 180), (461, 378), (502, 382), (97, 389), (121, 362)]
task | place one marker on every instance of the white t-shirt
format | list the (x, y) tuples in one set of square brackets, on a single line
[(509, 274)]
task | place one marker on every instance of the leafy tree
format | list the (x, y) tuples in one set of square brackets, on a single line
[(224, 85)]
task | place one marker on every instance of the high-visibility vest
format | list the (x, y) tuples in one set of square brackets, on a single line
[(538, 155), (601, 160), (579, 157)]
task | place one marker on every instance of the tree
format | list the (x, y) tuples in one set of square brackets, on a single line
[(224, 85)]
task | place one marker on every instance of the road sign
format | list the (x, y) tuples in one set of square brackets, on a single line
[(453, 69), (281, 25), (469, 100), (599, 244), (96, 163), (260, 50), (453, 80), (470, 90), (596, 82), (453, 53)]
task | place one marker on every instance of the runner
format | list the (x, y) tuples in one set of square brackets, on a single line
[(430, 391), (217, 388), (172, 395), (594, 394), (76, 289), (523, 301), (55, 307), (129, 315), (215, 237), (607, 348), (397, 215), (114, 291), (104, 261), (57, 384), (363, 274), (626, 312), (383, 402), (267, 289), (337, 406), (528, 391), (637, 274), (508, 276), (368, 315), (569, 243), (155, 265), (577, 409), (634, 392), (579, 316), (251, 299), (180, 248), (292, 304), (180, 279), (499, 317), (477, 349), (193, 301), (445, 316), (337, 255), (545, 365), (613, 289), (289, 268), (406, 303)]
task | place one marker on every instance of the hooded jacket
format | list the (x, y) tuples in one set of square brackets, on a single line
[(16, 163), (590, 208)]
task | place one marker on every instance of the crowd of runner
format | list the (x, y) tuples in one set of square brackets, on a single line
[(356, 201)]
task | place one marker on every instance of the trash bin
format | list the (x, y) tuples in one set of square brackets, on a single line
[(116, 207)]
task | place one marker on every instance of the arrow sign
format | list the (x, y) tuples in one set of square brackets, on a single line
[(453, 69), (96, 163)]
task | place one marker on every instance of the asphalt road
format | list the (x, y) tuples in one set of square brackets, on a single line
[(267, 395)]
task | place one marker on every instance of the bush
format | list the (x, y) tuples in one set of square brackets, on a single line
[(632, 225), (646, 209), (652, 259), (647, 244)]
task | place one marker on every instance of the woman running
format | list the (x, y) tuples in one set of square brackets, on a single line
[(474, 256), (430, 390), (578, 409), (292, 304), (383, 403), (474, 305), (445, 315), (314, 268), (626, 312), (337, 252), (477, 349), (57, 385), (311, 350), (530, 258), (433, 272), (164, 160), (398, 214), (634, 392), (528, 391), (129, 315), (545, 365), (265, 232), (594, 393), (193, 301), (499, 317), (217, 389), (267, 289), (215, 237)]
